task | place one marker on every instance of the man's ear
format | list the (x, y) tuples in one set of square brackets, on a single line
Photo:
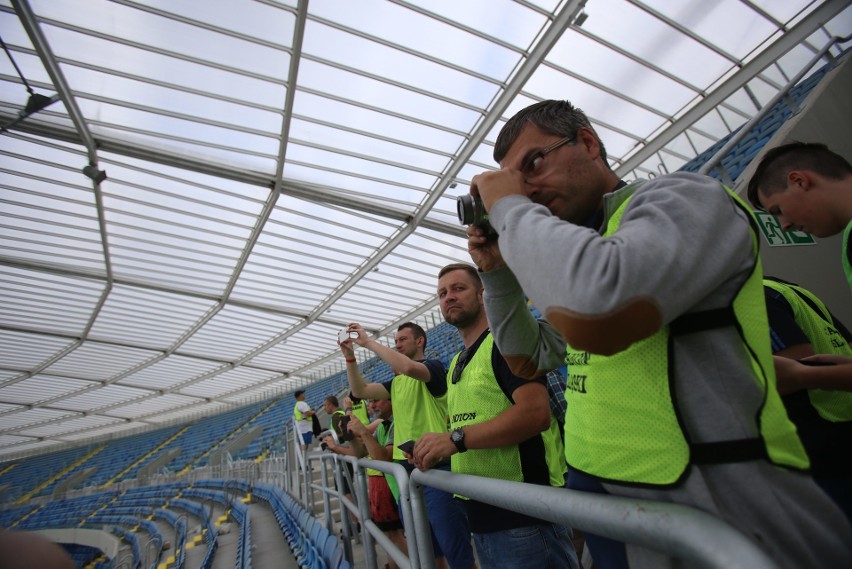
[(799, 179), (586, 138)]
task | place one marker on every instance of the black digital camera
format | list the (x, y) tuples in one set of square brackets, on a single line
[(471, 211), (345, 435)]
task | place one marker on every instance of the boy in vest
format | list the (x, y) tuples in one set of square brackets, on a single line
[(337, 423), (808, 187), (671, 389), (383, 489), (502, 428), (419, 392), (801, 326), (302, 414)]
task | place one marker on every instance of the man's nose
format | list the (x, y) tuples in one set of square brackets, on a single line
[(785, 223)]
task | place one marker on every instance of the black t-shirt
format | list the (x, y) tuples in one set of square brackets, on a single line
[(437, 384)]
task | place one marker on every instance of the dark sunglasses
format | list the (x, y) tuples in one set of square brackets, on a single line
[(461, 362)]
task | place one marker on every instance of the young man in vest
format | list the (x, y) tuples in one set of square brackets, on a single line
[(652, 293), (802, 326), (808, 187), (502, 428), (338, 422), (419, 392), (383, 489), (302, 413)]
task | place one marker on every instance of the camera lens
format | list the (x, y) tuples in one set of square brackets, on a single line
[(465, 209), (471, 211)]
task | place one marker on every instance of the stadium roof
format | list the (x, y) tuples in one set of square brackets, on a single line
[(277, 169)]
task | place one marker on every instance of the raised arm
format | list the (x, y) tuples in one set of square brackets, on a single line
[(399, 363)]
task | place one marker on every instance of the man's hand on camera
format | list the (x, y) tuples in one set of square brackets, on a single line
[(493, 185), (484, 252), (362, 338), (356, 427)]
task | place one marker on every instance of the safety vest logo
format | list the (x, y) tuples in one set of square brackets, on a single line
[(459, 417), (577, 358), (576, 382)]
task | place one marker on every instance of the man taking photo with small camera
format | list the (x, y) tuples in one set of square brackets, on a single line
[(652, 295)]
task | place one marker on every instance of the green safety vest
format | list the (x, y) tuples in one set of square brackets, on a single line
[(817, 324), (296, 413), (382, 435), (424, 413), (846, 252), (477, 398), (359, 410), (621, 423)]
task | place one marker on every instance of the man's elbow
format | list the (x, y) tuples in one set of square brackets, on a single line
[(610, 333), (541, 420), (411, 369), (524, 366)]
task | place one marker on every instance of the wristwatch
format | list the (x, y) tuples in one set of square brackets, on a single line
[(457, 436)]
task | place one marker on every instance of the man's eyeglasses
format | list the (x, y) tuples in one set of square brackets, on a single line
[(532, 167), (461, 362)]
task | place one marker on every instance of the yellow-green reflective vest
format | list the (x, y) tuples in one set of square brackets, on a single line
[(296, 413), (817, 324), (382, 435), (359, 410), (847, 253), (621, 423), (477, 398), (418, 411)]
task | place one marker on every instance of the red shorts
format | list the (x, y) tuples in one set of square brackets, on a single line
[(383, 509)]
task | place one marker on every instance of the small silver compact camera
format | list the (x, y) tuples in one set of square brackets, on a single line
[(345, 334)]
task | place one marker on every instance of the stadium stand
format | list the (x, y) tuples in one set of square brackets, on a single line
[(29, 484)]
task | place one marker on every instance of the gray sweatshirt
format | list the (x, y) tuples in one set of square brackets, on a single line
[(682, 246)]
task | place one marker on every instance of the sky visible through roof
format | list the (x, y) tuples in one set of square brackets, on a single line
[(276, 170)]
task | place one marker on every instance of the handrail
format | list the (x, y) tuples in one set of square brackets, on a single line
[(674, 529)]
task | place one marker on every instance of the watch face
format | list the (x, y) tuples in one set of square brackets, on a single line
[(457, 436)]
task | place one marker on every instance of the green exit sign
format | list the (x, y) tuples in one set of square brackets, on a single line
[(777, 237)]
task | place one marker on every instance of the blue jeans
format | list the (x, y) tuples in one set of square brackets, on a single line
[(545, 546), (607, 553), (449, 527)]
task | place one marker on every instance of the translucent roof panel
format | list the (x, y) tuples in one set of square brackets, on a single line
[(201, 194)]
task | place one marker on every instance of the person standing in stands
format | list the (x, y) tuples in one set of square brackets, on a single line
[(302, 413), (419, 393), (800, 326), (671, 388), (338, 422), (502, 428), (808, 187), (383, 489)]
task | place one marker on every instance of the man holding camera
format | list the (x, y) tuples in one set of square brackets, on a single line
[(656, 289), (502, 428), (419, 393)]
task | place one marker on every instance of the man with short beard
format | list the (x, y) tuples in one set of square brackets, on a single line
[(502, 428)]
